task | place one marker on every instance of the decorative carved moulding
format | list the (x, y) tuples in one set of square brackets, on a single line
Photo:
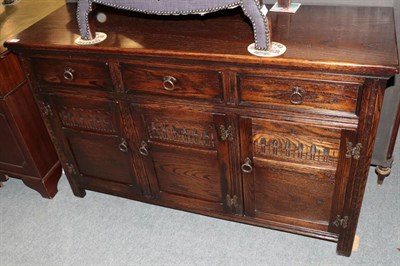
[(175, 133)]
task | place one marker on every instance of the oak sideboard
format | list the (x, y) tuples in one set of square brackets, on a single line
[(174, 111)]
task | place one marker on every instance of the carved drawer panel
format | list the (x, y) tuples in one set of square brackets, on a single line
[(81, 74), (296, 143), (315, 95), (176, 82), (95, 115)]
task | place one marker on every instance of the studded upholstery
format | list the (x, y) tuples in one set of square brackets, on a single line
[(252, 8)]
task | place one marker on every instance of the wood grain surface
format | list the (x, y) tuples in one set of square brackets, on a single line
[(15, 18), (356, 39)]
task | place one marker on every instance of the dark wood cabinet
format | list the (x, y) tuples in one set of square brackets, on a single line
[(193, 122), (26, 151)]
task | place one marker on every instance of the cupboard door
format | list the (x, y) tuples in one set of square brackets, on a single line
[(186, 162), (97, 149), (294, 175), (12, 156)]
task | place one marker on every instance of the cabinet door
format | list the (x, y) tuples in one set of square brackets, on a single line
[(94, 143), (12, 156), (294, 174), (186, 162)]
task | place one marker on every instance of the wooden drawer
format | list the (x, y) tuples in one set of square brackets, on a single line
[(80, 74), (314, 95), (176, 82)]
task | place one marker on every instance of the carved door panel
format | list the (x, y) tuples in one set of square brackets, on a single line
[(97, 149), (295, 174), (186, 162)]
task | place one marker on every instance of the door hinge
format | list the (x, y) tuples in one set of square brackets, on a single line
[(232, 202), (226, 134), (353, 151), (71, 168), (45, 108), (341, 222)]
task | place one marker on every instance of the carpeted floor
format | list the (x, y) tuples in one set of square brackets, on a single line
[(106, 230)]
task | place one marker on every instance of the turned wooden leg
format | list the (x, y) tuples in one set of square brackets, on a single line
[(382, 172)]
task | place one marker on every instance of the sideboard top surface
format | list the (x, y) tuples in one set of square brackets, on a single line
[(16, 18), (359, 40)]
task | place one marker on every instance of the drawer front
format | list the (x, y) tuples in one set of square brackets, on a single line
[(175, 82), (81, 74), (298, 93)]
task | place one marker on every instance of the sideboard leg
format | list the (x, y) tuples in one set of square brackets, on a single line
[(79, 192), (3, 178), (47, 186), (382, 173), (76, 190), (345, 251)]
